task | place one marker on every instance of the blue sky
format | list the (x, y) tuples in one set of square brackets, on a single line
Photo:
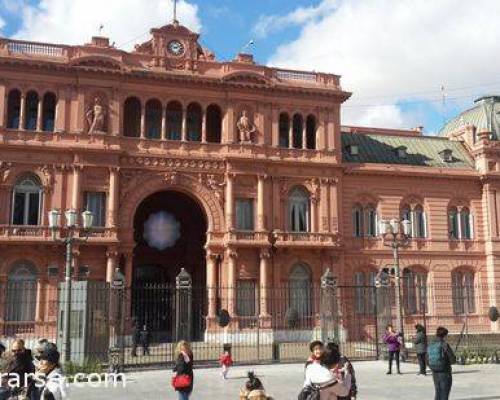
[(395, 55)]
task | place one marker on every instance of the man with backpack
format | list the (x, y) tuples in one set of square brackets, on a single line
[(440, 359)]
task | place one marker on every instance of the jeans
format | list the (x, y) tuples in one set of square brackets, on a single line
[(393, 355), (184, 395), (421, 362), (442, 385)]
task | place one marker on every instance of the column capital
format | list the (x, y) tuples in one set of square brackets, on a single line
[(232, 253), (265, 254), (114, 168), (262, 177), (112, 252), (213, 255)]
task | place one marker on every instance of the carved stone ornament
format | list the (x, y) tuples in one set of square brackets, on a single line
[(4, 170), (245, 127), (213, 182), (171, 178), (96, 116)]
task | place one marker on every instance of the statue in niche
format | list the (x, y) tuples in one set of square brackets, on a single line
[(245, 127), (96, 116)]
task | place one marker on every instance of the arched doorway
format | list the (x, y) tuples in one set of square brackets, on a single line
[(170, 233)]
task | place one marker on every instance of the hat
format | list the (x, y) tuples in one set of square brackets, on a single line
[(50, 354), (315, 343)]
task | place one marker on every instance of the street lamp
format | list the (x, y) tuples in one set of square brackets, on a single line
[(396, 234), (70, 237)]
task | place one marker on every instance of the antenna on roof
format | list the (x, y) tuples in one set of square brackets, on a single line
[(250, 43), (175, 11), (443, 104), (101, 27)]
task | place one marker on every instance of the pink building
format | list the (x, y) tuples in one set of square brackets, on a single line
[(241, 174)]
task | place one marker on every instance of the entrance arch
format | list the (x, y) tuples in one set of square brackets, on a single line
[(170, 232)]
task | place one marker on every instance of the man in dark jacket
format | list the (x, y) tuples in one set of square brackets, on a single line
[(442, 376), (136, 336), (144, 339), (17, 368), (420, 343)]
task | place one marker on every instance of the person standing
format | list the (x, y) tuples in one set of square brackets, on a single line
[(393, 341), (183, 379), (136, 336), (19, 366), (316, 348), (441, 357), (225, 362), (48, 369), (420, 343), (144, 339)]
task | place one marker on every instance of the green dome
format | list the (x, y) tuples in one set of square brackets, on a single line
[(485, 116)]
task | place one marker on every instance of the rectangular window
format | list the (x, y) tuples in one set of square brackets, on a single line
[(245, 298), (33, 208), (244, 214), (19, 202), (95, 202)]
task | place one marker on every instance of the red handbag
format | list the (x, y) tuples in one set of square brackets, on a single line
[(181, 381)]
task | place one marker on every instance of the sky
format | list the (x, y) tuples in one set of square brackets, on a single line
[(408, 63)]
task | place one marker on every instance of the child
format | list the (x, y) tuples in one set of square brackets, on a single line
[(225, 361), (316, 347)]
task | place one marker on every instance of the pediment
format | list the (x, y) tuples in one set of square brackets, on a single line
[(246, 77), (97, 61)]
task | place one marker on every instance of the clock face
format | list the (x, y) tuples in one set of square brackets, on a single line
[(175, 48)]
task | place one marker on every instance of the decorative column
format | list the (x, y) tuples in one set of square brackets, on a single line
[(39, 112), (163, 122), (22, 108), (39, 302), (75, 194), (264, 282), (60, 116), (229, 202), (314, 205), (204, 126), (290, 134), (275, 135), (111, 258), (143, 121), (212, 259), (3, 104), (261, 225), (115, 113), (113, 196), (184, 125), (231, 281)]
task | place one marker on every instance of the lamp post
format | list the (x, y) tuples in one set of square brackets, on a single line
[(70, 228), (396, 234)]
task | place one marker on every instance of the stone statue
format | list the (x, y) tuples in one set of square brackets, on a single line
[(246, 127), (95, 115)]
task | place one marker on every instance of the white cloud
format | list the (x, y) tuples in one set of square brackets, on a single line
[(126, 22), (2, 24), (402, 48)]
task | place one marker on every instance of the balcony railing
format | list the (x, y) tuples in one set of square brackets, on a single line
[(247, 236), (35, 49), (40, 232), (306, 239)]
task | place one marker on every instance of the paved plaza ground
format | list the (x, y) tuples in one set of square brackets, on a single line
[(475, 382)]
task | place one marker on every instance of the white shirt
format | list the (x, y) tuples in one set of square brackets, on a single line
[(319, 375), (55, 384)]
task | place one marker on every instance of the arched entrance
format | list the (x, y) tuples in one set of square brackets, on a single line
[(170, 230)]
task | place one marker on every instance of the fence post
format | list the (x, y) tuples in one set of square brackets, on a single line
[(183, 312), (328, 308)]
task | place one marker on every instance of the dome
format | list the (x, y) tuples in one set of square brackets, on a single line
[(484, 116)]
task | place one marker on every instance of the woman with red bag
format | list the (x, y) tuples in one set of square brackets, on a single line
[(182, 380)]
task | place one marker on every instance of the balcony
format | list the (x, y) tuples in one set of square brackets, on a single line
[(29, 234), (306, 239), (247, 238)]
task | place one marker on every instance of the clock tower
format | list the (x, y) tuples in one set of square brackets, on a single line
[(174, 46)]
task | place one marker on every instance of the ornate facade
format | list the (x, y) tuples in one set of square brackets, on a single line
[(276, 189)]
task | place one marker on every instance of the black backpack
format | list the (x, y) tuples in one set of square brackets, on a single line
[(312, 392)]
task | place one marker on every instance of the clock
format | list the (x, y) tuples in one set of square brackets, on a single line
[(175, 48)]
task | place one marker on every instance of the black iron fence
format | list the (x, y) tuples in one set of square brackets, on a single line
[(140, 325)]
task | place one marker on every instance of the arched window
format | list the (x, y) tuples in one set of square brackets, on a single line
[(132, 117), (465, 224), (49, 112), (414, 291), (27, 201), (284, 130), (370, 221), (153, 119), (406, 212), (193, 122), (298, 206), (21, 293), (31, 111), (364, 283), (174, 120), (311, 132), (419, 222), (214, 123), (463, 292), (300, 290), (13, 109), (298, 123), (357, 220), (453, 223)]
